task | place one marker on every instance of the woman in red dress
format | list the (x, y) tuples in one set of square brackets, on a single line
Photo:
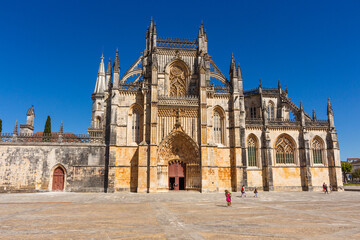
[(228, 197)]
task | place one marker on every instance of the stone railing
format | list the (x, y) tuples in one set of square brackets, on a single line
[(317, 123), (179, 43), (178, 101), (251, 91), (52, 138), (130, 86), (256, 121)]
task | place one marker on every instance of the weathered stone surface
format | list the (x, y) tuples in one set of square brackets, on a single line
[(29, 168)]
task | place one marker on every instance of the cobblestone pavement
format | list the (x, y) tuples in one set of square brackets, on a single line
[(180, 215)]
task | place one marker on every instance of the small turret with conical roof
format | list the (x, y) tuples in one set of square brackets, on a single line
[(28, 128), (100, 81)]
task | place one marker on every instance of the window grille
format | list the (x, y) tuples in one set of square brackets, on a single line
[(252, 152), (284, 151), (317, 153), (252, 112), (136, 127), (270, 109), (217, 127)]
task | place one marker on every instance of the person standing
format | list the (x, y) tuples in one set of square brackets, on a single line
[(326, 189), (243, 191), (255, 193), (228, 198)]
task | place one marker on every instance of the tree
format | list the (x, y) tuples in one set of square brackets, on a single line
[(356, 174), (346, 168), (47, 130)]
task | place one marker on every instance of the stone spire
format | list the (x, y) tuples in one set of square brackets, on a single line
[(100, 81), (116, 71), (201, 30), (240, 80), (61, 131), (108, 75), (15, 132), (239, 73), (329, 107), (202, 38), (302, 114), (108, 69), (116, 65), (279, 84), (330, 114), (154, 36), (232, 66), (313, 115), (260, 83)]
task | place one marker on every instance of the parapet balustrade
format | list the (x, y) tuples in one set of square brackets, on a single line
[(130, 86), (53, 137), (189, 100)]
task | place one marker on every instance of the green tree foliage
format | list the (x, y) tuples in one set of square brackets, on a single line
[(346, 168), (356, 173), (47, 129)]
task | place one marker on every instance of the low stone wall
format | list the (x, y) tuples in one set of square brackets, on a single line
[(28, 167)]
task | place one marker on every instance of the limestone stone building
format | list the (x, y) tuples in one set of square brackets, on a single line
[(165, 125)]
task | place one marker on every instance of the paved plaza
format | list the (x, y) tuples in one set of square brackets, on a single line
[(180, 215)]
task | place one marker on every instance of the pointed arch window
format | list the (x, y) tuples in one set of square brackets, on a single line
[(218, 129), (135, 126), (252, 112), (317, 151), (252, 152), (285, 151), (98, 123), (271, 111)]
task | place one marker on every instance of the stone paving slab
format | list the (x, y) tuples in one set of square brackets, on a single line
[(180, 215)]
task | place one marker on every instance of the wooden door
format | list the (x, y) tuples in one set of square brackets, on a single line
[(58, 179), (177, 176)]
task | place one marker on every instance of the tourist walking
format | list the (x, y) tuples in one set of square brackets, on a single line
[(255, 192), (323, 187), (243, 191), (228, 198), (331, 188), (326, 189)]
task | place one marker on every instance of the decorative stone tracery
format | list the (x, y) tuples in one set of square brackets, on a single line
[(178, 146), (285, 150), (177, 81)]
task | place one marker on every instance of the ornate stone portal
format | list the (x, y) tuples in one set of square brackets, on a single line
[(179, 147)]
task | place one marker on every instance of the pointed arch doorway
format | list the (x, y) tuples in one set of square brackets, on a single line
[(179, 162), (177, 175), (58, 179)]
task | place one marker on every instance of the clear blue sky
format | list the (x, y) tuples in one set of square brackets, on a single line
[(50, 52)]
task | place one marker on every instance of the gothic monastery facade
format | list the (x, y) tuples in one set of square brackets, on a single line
[(164, 125)]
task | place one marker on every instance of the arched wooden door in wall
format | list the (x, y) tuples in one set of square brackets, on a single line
[(58, 179), (177, 176)]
